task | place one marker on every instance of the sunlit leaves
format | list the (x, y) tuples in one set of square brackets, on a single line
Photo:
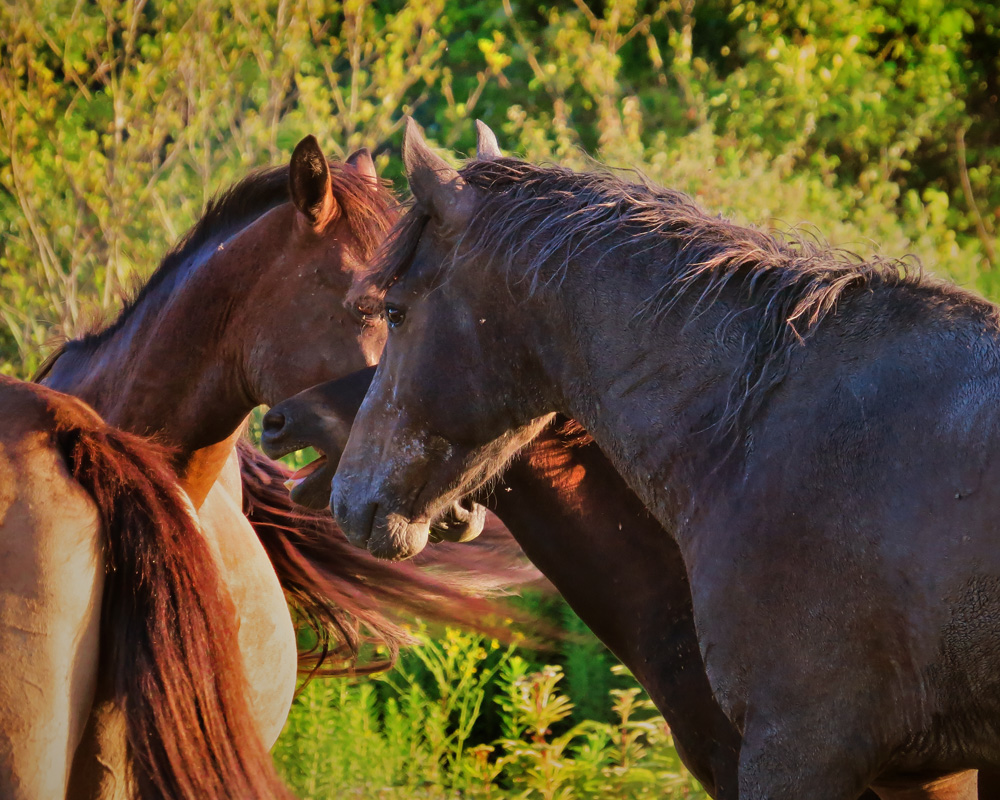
[(875, 119)]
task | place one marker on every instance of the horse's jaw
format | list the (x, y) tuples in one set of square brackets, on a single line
[(309, 486)]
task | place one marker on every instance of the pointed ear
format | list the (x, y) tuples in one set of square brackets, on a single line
[(310, 185), (487, 147), (363, 162), (436, 185)]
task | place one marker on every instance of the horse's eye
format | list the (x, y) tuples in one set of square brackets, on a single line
[(394, 315)]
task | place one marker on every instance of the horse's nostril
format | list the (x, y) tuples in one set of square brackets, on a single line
[(273, 422)]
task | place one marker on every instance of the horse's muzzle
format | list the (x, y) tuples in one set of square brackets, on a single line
[(386, 534)]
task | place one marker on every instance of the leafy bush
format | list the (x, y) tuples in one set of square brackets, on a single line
[(876, 120), (413, 733)]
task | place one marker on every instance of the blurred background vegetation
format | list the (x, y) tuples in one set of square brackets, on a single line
[(873, 123), (876, 121)]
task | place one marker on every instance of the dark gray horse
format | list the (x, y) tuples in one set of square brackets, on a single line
[(818, 433)]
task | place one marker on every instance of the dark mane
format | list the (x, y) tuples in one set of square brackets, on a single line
[(369, 212), (533, 221)]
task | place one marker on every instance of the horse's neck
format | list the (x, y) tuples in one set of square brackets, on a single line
[(648, 391), (173, 368)]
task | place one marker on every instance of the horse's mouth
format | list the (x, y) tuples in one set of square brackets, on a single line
[(310, 485), (462, 522)]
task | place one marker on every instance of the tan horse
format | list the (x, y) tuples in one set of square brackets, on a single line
[(107, 585)]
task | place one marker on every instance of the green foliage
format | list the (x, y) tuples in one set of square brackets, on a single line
[(875, 120), (121, 119), (412, 733)]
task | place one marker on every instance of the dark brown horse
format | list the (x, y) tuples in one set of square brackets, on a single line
[(816, 431), (226, 323), (106, 579)]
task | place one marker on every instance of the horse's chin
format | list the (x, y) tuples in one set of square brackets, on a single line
[(395, 538), (310, 486)]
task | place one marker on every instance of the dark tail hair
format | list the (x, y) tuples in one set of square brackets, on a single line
[(349, 598), (168, 627)]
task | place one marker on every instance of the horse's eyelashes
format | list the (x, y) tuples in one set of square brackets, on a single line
[(368, 313)]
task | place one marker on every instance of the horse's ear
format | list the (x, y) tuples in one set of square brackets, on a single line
[(363, 162), (310, 184), (487, 146), (435, 184)]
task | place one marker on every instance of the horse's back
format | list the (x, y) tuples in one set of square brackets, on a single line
[(51, 580)]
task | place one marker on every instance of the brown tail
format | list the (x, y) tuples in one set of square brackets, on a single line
[(168, 629), (349, 598)]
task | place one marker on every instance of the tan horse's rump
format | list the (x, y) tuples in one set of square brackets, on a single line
[(157, 628)]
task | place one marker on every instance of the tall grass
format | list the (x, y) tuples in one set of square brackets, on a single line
[(462, 716)]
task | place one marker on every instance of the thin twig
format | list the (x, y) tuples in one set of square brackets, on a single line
[(970, 199)]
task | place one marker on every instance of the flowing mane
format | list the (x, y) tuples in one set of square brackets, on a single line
[(347, 598), (369, 212), (533, 221)]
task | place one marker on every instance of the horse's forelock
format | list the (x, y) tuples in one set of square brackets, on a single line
[(395, 255), (369, 207)]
